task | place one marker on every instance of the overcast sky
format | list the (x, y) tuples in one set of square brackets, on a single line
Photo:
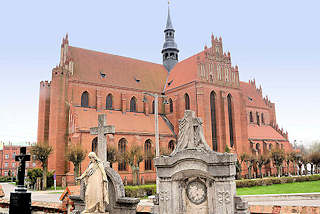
[(275, 42)]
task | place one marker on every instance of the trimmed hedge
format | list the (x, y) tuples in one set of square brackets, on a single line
[(150, 189), (7, 179), (274, 180), (140, 191)]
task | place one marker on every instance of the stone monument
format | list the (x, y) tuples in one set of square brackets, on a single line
[(113, 195), (195, 179), (20, 200)]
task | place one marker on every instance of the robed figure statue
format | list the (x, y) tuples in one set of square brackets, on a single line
[(96, 195)]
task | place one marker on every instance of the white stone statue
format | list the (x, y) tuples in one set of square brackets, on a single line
[(191, 133), (96, 195)]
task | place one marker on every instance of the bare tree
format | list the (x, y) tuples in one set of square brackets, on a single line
[(294, 157), (250, 161), (111, 155), (76, 155), (41, 152), (278, 156), (261, 161), (315, 160), (134, 157), (239, 163)]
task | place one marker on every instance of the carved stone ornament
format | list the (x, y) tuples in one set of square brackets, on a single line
[(197, 192), (224, 198)]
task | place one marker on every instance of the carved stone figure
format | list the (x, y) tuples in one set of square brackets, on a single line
[(191, 133), (96, 194)]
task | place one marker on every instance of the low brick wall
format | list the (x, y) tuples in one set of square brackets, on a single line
[(37, 207), (266, 209)]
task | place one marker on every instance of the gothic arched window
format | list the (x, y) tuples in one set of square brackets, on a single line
[(85, 99), (251, 117), (258, 119), (109, 102), (133, 104), (171, 105), (122, 165), (148, 155), (153, 110), (262, 118), (171, 145), (187, 101), (213, 121), (230, 114), (94, 145)]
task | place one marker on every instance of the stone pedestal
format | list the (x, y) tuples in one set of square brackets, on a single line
[(119, 204), (20, 202), (194, 179)]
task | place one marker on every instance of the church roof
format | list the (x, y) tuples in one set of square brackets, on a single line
[(183, 72), (264, 132), (130, 122), (107, 69), (252, 96)]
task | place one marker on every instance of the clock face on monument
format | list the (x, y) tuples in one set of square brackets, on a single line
[(197, 192)]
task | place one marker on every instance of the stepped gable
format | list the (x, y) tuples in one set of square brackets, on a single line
[(253, 96), (184, 72), (264, 132), (107, 69)]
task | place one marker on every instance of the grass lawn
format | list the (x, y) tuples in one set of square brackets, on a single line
[(299, 187)]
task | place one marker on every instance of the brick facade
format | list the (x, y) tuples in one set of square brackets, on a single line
[(64, 121), (7, 160)]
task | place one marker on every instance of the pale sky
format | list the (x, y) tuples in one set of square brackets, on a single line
[(275, 42)]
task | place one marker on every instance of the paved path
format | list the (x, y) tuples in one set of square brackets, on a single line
[(294, 199), (47, 196)]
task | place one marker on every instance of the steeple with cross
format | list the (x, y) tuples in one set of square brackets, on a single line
[(170, 49)]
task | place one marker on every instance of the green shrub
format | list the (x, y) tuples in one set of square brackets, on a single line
[(35, 173), (7, 179), (274, 180)]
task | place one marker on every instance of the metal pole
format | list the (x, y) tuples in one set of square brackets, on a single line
[(156, 134)]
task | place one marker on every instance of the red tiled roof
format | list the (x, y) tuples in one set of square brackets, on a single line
[(119, 71), (252, 96), (263, 132), (183, 72), (128, 122)]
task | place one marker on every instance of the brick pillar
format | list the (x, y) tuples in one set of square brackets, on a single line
[(99, 100), (146, 107), (44, 112), (224, 134), (123, 102), (58, 122)]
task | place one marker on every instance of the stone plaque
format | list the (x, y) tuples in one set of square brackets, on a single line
[(197, 192)]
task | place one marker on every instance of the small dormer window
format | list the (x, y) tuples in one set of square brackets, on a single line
[(137, 80)]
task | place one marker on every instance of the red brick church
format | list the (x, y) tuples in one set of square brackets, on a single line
[(87, 83)]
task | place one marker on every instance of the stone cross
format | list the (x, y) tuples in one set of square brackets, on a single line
[(22, 158), (101, 131)]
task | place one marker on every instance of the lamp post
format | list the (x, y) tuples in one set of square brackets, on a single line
[(156, 125)]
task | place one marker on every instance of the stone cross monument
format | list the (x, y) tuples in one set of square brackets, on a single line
[(101, 131), (20, 200)]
